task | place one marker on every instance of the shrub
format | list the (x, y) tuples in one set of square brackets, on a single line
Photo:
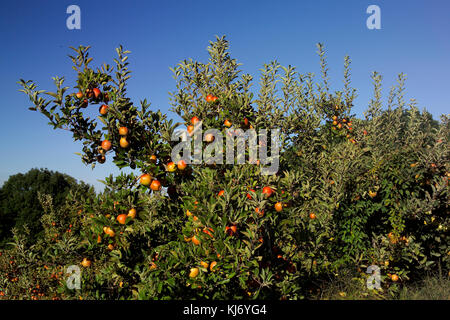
[(19, 203), (354, 192)]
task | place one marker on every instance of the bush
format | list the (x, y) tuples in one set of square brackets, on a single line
[(19, 201), (353, 192)]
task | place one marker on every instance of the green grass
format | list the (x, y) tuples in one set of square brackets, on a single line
[(430, 288), (347, 287)]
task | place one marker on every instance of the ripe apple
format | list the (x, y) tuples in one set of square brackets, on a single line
[(96, 92), (194, 120), (193, 272), (109, 231), (155, 185), (132, 213), (145, 179), (106, 145), (268, 191), (153, 158), (79, 95), (171, 167), (227, 123), (85, 263), (124, 143), (278, 206), (103, 109), (209, 137), (121, 218), (190, 129), (181, 165), (123, 131), (195, 240)]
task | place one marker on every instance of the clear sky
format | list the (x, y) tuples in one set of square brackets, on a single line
[(414, 39)]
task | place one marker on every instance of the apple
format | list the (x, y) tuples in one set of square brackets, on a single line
[(278, 206), (85, 263), (194, 120), (103, 110), (96, 93), (124, 143), (132, 213), (145, 179), (209, 137), (153, 158), (123, 131), (171, 167), (122, 218), (181, 165), (268, 191), (106, 145), (155, 185)]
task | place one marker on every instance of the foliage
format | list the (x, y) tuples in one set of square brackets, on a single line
[(19, 202), (353, 192)]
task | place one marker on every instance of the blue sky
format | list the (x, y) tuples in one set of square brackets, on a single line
[(414, 39)]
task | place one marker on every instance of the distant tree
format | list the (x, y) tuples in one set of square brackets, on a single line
[(19, 203)]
